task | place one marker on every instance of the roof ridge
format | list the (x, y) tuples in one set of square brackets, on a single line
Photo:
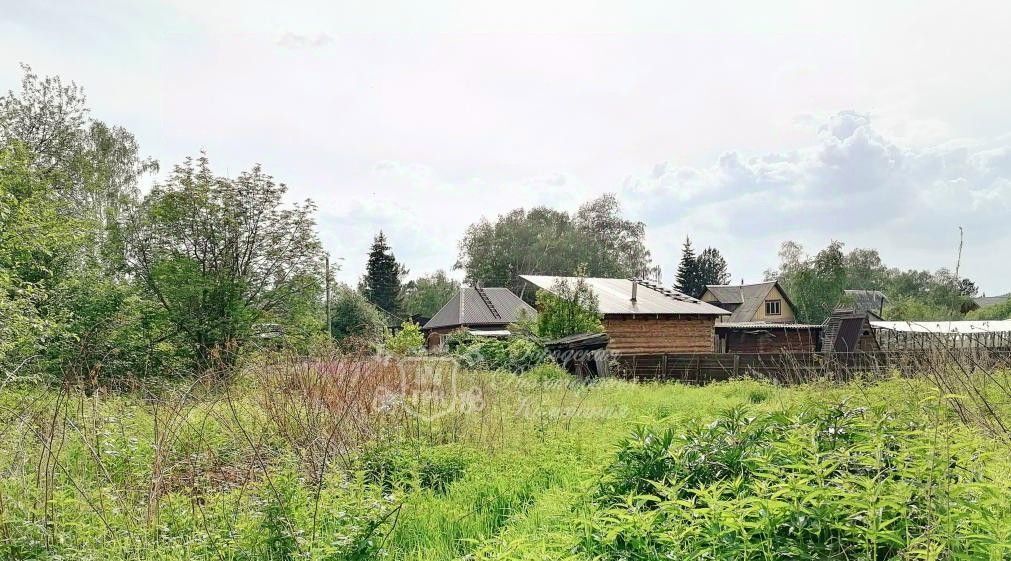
[(672, 294)]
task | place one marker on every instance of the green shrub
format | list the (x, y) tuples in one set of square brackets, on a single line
[(407, 341), (353, 317), (825, 483), (514, 355), (568, 309), (547, 373), (997, 311), (402, 466)]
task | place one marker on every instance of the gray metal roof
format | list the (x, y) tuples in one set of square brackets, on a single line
[(867, 300), (468, 308), (751, 297), (614, 296), (579, 341), (987, 301), (764, 325)]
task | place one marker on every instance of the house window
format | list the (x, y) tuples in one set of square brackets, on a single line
[(773, 308)]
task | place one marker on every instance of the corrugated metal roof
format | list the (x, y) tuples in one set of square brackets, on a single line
[(764, 325), (579, 341), (728, 294), (467, 307), (945, 327), (614, 296), (751, 298), (867, 300)]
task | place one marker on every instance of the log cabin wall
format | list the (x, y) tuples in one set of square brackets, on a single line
[(660, 334)]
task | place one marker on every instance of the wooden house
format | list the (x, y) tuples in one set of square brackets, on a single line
[(764, 302), (642, 318), (482, 311)]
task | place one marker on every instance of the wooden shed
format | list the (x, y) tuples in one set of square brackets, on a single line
[(584, 355), (640, 317), (759, 337)]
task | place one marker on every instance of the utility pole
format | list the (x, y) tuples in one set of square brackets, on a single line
[(326, 265), (958, 260)]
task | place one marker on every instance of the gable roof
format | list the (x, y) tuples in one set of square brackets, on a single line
[(480, 306), (614, 296), (750, 297), (987, 301)]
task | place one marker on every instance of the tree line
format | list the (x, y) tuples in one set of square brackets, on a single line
[(98, 279)]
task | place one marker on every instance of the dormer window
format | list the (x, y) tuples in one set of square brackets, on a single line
[(773, 307)]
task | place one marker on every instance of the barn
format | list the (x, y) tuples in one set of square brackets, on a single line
[(642, 318), (482, 311)]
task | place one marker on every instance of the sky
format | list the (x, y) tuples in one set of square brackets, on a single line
[(739, 124)]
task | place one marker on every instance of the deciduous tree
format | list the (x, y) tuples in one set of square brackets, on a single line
[(551, 242), (567, 309), (221, 254), (426, 295)]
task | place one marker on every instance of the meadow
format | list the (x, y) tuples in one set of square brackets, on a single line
[(359, 458)]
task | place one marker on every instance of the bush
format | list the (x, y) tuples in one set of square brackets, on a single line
[(567, 310), (997, 311), (407, 341), (352, 316), (393, 466), (514, 355), (827, 483), (547, 373), (109, 333)]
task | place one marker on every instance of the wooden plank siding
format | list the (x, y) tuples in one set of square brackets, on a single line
[(660, 334), (769, 340), (791, 368)]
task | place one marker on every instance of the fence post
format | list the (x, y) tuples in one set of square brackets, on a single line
[(737, 365)]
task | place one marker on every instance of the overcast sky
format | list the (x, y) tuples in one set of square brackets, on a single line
[(880, 124)]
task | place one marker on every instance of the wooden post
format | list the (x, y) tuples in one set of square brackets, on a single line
[(326, 273)]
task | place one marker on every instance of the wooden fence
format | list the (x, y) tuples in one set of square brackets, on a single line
[(795, 367)]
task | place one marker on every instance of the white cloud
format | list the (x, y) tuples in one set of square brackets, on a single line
[(854, 184), (421, 118), (290, 40)]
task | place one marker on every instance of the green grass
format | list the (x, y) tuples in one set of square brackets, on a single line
[(528, 467)]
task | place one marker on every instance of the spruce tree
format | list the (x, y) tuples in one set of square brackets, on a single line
[(688, 275), (381, 283), (712, 269)]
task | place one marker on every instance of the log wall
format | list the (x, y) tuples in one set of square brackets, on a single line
[(660, 334)]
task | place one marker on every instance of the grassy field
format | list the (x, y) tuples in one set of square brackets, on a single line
[(347, 460)]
